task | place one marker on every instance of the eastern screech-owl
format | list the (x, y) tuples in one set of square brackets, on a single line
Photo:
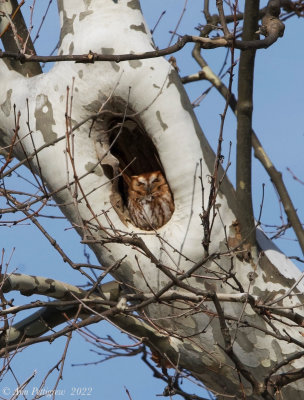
[(150, 201)]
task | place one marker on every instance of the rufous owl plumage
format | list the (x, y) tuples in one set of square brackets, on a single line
[(150, 201)]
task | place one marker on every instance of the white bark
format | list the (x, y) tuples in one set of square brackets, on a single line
[(153, 91)]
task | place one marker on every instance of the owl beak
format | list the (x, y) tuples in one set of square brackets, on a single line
[(149, 195)]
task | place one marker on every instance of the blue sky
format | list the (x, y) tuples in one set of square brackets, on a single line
[(278, 121)]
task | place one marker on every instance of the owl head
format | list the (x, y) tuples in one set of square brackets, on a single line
[(146, 184)]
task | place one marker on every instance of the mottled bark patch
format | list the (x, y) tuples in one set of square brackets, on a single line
[(71, 48), (44, 118), (134, 4), (67, 26), (140, 28), (162, 123), (267, 295), (273, 275), (84, 14), (6, 106), (87, 3), (90, 167), (135, 63), (110, 50)]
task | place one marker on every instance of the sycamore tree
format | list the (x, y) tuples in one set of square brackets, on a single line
[(204, 292)]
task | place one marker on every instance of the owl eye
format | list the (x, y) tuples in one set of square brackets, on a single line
[(140, 183)]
